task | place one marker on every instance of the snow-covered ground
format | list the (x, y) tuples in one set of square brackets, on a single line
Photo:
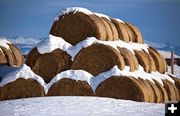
[(78, 106)]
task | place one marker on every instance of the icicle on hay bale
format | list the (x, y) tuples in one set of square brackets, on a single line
[(21, 88), (158, 60), (50, 64), (137, 34), (122, 32), (98, 58), (109, 33), (143, 60), (3, 59), (17, 54), (70, 87), (149, 89), (171, 90), (163, 97), (121, 88), (32, 57), (129, 58), (9, 56), (75, 27)]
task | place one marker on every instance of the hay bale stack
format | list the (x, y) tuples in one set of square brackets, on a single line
[(117, 87), (21, 88), (70, 87), (47, 65), (10, 54), (129, 58), (98, 58), (75, 24)]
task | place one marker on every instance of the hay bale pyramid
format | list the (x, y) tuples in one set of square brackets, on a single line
[(92, 54)]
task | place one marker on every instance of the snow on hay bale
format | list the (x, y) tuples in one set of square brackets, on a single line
[(98, 58), (75, 24), (22, 83), (10, 54), (71, 83), (49, 58), (122, 87)]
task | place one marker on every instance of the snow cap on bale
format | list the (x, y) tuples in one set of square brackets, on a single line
[(49, 57), (22, 83), (10, 54), (75, 24), (70, 82)]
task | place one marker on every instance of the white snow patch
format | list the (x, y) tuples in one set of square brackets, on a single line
[(119, 20), (167, 54), (79, 106), (74, 10), (102, 15), (21, 72), (4, 43), (52, 43), (71, 74)]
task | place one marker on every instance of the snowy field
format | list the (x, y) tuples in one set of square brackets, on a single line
[(78, 106)]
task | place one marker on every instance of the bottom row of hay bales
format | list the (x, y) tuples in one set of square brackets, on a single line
[(118, 87)]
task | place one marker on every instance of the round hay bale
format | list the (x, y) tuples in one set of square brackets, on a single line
[(109, 33), (32, 57), (177, 84), (17, 54), (9, 56), (98, 58), (50, 64), (113, 29), (143, 60), (171, 90), (70, 87), (129, 58), (138, 36), (150, 91), (22, 88), (122, 32), (130, 33), (157, 92), (158, 61), (153, 65), (75, 27), (163, 97), (3, 59), (122, 88)]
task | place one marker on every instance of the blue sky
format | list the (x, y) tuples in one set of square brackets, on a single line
[(158, 20)]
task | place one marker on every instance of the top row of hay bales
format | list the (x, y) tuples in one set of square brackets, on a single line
[(76, 24)]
